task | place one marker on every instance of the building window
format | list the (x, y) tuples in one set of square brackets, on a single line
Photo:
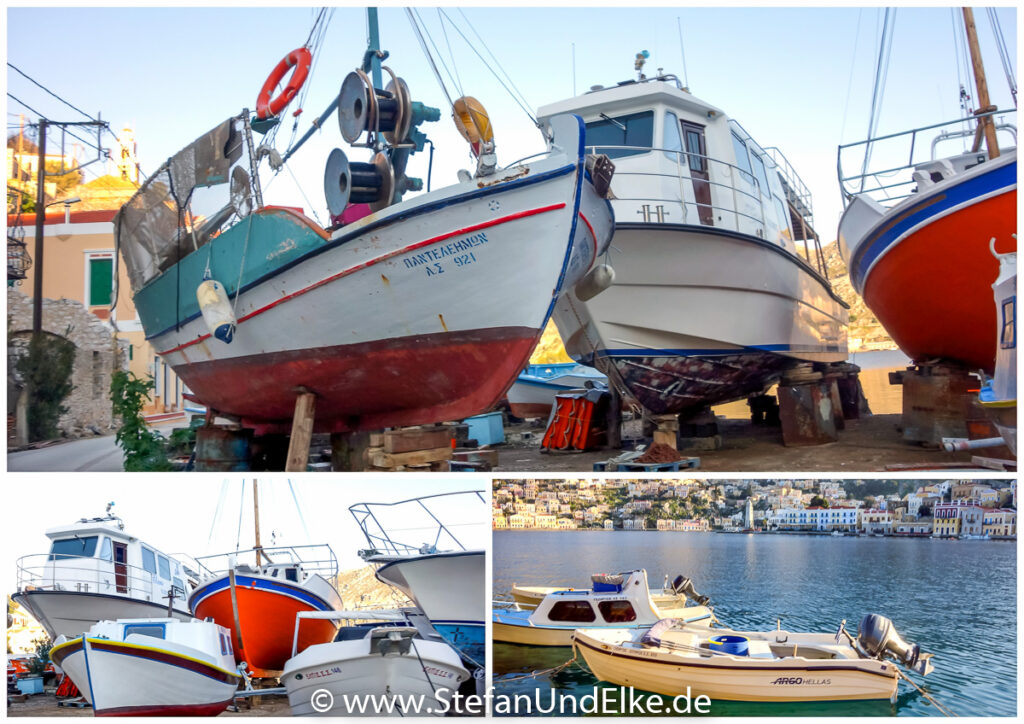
[(101, 280)]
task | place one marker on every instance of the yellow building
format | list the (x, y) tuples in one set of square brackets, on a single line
[(1000, 523), (79, 264)]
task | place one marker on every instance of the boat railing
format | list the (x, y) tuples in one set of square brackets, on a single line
[(76, 574), (374, 520), (885, 165), (314, 558)]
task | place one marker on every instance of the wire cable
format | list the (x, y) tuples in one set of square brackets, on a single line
[(68, 104)]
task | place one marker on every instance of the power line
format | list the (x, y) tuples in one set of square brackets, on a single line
[(87, 143), (37, 83)]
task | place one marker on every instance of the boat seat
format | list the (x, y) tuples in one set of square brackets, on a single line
[(759, 650), (689, 641), (931, 173)]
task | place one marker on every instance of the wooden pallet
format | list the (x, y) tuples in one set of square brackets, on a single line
[(612, 466)]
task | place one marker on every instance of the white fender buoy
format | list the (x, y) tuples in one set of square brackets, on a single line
[(596, 281), (216, 308)]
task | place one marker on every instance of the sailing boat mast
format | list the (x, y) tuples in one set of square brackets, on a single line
[(984, 124), (256, 516)]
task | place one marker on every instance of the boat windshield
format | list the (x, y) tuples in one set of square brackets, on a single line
[(77, 547), (187, 201), (634, 129)]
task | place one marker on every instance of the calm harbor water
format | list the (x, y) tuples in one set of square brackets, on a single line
[(956, 599)]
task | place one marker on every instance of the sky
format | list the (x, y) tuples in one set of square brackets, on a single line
[(798, 78), (204, 514)]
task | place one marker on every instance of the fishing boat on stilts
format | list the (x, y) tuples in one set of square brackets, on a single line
[(712, 299), (401, 311), (258, 602)]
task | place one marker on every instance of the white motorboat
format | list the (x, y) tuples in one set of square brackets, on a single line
[(616, 601), (712, 298), (385, 669), (96, 571), (152, 667), (530, 596), (533, 392), (999, 394), (671, 657), (447, 585)]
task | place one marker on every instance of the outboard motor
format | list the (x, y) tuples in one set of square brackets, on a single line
[(878, 637), (684, 586)]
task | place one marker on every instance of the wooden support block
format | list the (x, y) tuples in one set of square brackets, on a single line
[(302, 432), (419, 457), (376, 439), (665, 437), (486, 456), (349, 451), (416, 438), (806, 414)]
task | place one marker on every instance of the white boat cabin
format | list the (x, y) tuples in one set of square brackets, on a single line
[(209, 638), (95, 555), (614, 599), (681, 161)]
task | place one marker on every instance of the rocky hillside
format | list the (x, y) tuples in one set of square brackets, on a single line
[(360, 589), (550, 349), (865, 330)]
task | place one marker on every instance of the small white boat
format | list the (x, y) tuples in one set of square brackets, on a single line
[(837, 533), (95, 571), (672, 656), (533, 392), (152, 667), (530, 596), (615, 601), (391, 662), (999, 394)]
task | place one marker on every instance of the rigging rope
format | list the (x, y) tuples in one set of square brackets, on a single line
[(423, 46), (1004, 54), (853, 64), (241, 507), (298, 508), (442, 16), (881, 71), (945, 710)]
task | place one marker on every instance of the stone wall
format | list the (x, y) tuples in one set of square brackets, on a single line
[(89, 408)]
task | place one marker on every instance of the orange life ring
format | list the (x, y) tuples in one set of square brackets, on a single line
[(299, 59)]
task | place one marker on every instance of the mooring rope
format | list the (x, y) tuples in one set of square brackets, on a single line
[(926, 695), (543, 672)]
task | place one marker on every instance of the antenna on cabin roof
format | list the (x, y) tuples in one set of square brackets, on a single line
[(638, 64), (109, 506)]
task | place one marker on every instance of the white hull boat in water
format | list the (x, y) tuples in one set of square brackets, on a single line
[(617, 601), (712, 299), (152, 667), (672, 657), (389, 670), (534, 390)]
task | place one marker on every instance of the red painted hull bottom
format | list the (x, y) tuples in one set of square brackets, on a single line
[(933, 291), (388, 383), (182, 710)]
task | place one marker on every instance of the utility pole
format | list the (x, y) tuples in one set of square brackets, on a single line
[(984, 104), (37, 255)]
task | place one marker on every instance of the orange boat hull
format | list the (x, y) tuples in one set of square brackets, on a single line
[(933, 291), (266, 621)]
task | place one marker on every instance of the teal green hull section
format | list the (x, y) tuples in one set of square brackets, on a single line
[(276, 238)]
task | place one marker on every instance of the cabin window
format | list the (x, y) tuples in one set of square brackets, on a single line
[(148, 560), (742, 159), (673, 142), (617, 611), (783, 216), (695, 148), (77, 547), (106, 550), (225, 644), (156, 630), (575, 611), (292, 574), (180, 586), (762, 177), (634, 129), (1008, 336), (165, 568)]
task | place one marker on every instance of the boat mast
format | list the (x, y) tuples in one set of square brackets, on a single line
[(984, 124), (256, 516), (371, 61)]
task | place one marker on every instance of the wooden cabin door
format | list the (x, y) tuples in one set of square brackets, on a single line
[(121, 567), (697, 158)]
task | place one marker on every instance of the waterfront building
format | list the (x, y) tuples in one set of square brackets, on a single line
[(947, 518), (876, 520), (565, 524), (544, 520), (498, 521), (815, 518), (1000, 523), (685, 525), (971, 520), (519, 521), (921, 527)]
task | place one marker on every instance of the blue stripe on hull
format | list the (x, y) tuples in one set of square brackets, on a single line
[(999, 178), (204, 592), (466, 637)]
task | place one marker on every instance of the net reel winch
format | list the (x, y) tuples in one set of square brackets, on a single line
[(389, 118)]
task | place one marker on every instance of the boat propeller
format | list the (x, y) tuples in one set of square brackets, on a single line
[(878, 637), (684, 586)]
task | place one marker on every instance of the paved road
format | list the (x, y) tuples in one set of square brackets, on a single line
[(94, 454)]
